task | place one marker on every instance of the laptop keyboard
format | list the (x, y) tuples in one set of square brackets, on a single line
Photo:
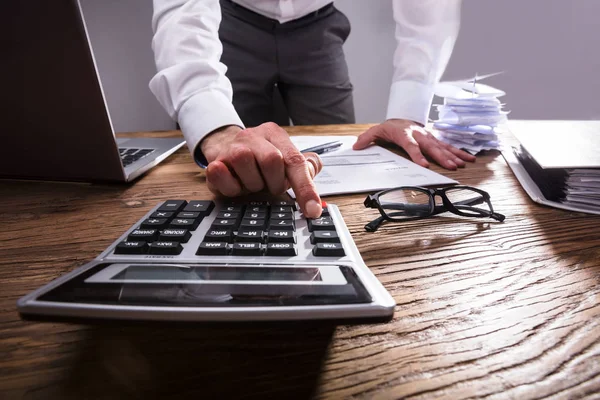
[(130, 155)]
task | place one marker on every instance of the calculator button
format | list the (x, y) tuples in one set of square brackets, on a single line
[(276, 236), (132, 247), (281, 209), (258, 203), (218, 235), (282, 225), (246, 249), (212, 249), (204, 207), (185, 223), (284, 203), (172, 205), (146, 235), (281, 249), (257, 208), (233, 208), (154, 223), (324, 237), (177, 235), (249, 235), (283, 215), (228, 215), (255, 215), (166, 248), (224, 224), (189, 214), (321, 224), (162, 214), (328, 250), (252, 223), (325, 212)]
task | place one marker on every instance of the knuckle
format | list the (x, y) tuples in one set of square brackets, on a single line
[(273, 159), (240, 155), (272, 126), (294, 158)]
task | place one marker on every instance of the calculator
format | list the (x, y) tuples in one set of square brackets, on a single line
[(221, 260)]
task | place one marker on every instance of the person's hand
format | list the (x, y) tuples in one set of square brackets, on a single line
[(261, 159), (416, 140)]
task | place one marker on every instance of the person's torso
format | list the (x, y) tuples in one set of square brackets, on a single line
[(283, 10)]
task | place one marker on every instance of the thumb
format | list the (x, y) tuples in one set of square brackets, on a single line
[(366, 138), (315, 165)]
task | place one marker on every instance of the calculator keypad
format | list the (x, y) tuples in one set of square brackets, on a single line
[(250, 229)]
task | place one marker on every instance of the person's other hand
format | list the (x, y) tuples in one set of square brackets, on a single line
[(261, 159), (416, 140)]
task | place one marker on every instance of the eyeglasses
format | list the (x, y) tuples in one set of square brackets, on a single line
[(409, 203)]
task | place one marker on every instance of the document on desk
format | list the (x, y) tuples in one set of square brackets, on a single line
[(372, 169)]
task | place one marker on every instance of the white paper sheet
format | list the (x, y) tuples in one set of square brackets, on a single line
[(372, 169)]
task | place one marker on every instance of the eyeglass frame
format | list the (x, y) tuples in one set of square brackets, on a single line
[(372, 201)]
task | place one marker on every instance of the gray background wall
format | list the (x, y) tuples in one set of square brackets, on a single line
[(546, 48)]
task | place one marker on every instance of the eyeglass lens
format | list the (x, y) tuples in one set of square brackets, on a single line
[(467, 201), (406, 203)]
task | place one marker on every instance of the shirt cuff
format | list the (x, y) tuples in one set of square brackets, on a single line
[(410, 100), (200, 115)]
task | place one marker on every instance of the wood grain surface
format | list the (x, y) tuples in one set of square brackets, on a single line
[(485, 309)]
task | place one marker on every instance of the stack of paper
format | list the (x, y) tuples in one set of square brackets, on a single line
[(471, 116)]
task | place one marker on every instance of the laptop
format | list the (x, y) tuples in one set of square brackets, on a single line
[(55, 121)]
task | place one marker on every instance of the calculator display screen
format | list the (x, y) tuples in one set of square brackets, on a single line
[(206, 285), (208, 273)]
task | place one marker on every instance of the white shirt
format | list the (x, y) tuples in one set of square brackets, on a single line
[(191, 83)]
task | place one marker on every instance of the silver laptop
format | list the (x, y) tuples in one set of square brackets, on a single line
[(54, 118)]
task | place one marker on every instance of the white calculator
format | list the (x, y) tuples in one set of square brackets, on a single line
[(207, 260)]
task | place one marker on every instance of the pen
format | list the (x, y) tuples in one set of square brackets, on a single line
[(323, 148)]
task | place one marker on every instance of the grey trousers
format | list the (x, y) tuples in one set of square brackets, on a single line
[(296, 70)]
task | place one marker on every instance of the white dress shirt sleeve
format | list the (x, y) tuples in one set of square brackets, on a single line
[(190, 83), (426, 31)]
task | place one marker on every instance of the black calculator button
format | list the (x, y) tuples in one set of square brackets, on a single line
[(239, 208), (325, 212), (204, 207), (177, 235), (218, 235), (324, 237), (249, 235), (283, 215), (276, 236), (284, 203), (282, 209), (282, 225), (189, 214), (172, 205), (258, 203), (281, 249), (252, 223), (255, 215), (228, 215), (132, 247), (154, 223), (169, 248), (321, 224), (184, 223), (146, 235), (212, 249), (224, 224), (328, 250), (162, 214), (257, 208), (246, 249)]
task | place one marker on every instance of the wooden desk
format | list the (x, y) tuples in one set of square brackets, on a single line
[(508, 310)]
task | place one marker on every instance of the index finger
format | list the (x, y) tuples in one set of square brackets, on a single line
[(298, 174)]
